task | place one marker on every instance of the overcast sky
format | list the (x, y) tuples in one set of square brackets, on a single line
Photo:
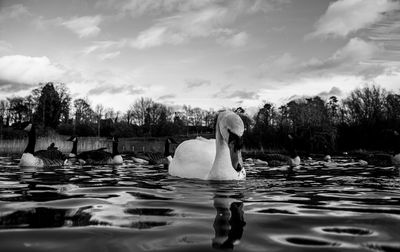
[(206, 53)]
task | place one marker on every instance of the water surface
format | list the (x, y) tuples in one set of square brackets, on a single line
[(141, 208)]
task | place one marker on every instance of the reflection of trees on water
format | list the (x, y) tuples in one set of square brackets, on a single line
[(42, 217)]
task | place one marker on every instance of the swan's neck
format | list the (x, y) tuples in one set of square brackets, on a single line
[(30, 148), (222, 163)]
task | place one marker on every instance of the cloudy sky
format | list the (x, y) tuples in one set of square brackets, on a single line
[(206, 53)]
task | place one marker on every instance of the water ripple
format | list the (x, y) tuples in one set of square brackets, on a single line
[(140, 208)]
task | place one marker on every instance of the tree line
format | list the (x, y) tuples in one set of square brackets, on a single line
[(368, 118), (51, 108)]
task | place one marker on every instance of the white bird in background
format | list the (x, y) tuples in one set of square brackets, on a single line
[(212, 159)]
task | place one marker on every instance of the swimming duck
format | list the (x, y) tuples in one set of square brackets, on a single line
[(42, 158), (212, 159), (277, 159), (156, 158), (95, 157), (392, 157)]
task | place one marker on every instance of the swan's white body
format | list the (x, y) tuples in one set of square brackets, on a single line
[(28, 159), (210, 159), (193, 158)]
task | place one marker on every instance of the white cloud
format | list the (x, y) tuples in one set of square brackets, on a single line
[(13, 12), (28, 70), (243, 94), (104, 45), (166, 97), (335, 91), (111, 55), (156, 36), (347, 16), (267, 6), (106, 88), (43, 23), (355, 57), (86, 26), (237, 40), (208, 20), (140, 7), (278, 66), (193, 83), (180, 28), (137, 8)]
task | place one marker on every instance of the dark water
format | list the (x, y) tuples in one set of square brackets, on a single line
[(142, 208)]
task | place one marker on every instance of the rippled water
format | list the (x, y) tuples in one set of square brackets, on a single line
[(141, 208)]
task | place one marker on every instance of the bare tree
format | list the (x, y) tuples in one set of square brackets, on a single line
[(367, 104), (138, 110)]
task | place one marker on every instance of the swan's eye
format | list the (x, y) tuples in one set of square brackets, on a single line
[(235, 140)]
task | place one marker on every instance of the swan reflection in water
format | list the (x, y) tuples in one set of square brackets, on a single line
[(229, 221)]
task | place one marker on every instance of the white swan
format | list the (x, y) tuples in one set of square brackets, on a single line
[(212, 159)]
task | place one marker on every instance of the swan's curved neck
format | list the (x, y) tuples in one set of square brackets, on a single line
[(222, 163), (30, 148)]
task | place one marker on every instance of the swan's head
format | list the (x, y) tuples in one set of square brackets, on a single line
[(231, 128)]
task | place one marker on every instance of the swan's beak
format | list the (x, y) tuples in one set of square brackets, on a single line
[(236, 157)]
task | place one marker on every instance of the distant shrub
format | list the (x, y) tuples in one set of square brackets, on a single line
[(85, 130), (66, 129), (10, 133)]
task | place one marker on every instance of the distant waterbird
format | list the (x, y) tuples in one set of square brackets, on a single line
[(42, 158), (292, 159), (95, 157), (156, 158)]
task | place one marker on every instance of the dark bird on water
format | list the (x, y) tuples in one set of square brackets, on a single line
[(42, 158), (156, 158), (95, 157)]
